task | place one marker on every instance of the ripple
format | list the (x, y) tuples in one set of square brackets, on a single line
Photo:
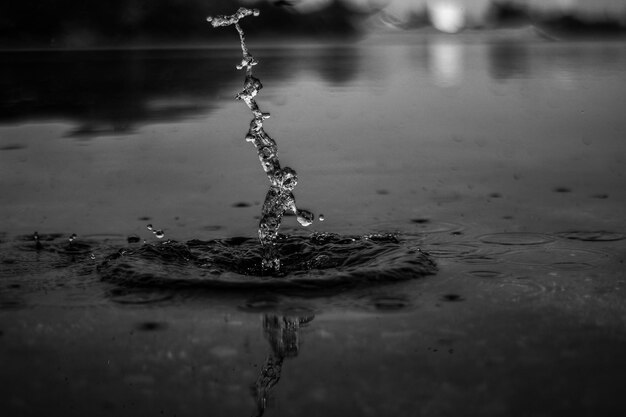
[(135, 297), (450, 249), (592, 236), (452, 298), (558, 258), (265, 302), (487, 274), (427, 226), (320, 260), (516, 238), (511, 287), (389, 302), (478, 259), (151, 326)]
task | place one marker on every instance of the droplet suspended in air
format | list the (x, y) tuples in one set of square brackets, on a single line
[(38, 244), (305, 217)]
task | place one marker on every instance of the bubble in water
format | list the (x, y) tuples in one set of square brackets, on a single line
[(321, 217), (159, 234), (149, 227)]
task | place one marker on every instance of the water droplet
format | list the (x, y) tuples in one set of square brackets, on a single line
[(562, 190), (452, 298), (133, 239), (149, 326), (305, 217), (389, 302)]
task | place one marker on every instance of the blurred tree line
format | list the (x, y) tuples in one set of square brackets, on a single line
[(76, 23)]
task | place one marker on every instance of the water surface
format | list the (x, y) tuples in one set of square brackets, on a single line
[(503, 160)]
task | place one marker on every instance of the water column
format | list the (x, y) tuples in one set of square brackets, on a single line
[(279, 197)]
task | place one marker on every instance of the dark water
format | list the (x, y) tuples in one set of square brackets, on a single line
[(503, 161)]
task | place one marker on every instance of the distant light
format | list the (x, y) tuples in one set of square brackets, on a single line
[(446, 63), (447, 16)]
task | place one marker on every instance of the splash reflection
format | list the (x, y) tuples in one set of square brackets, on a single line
[(283, 335)]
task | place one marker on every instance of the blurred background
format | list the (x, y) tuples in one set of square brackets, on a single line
[(97, 97), (122, 23)]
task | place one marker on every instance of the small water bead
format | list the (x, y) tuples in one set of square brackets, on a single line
[(305, 217), (233, 19), (38, 244)]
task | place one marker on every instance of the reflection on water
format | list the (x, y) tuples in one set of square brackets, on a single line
[(446, 63), (117, 91), (508, 60), (283, 335)]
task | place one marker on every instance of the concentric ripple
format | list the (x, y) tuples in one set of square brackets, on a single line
[(592, 236), (516, 238), (319, 260), (558, 258)]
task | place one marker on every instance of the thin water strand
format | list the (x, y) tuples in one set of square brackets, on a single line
[(279, 197)]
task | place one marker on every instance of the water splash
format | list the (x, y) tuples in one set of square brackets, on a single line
[(279, 197), (156, 232), (317, 261)]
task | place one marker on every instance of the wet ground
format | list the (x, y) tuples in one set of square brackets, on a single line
[(502, 159)]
